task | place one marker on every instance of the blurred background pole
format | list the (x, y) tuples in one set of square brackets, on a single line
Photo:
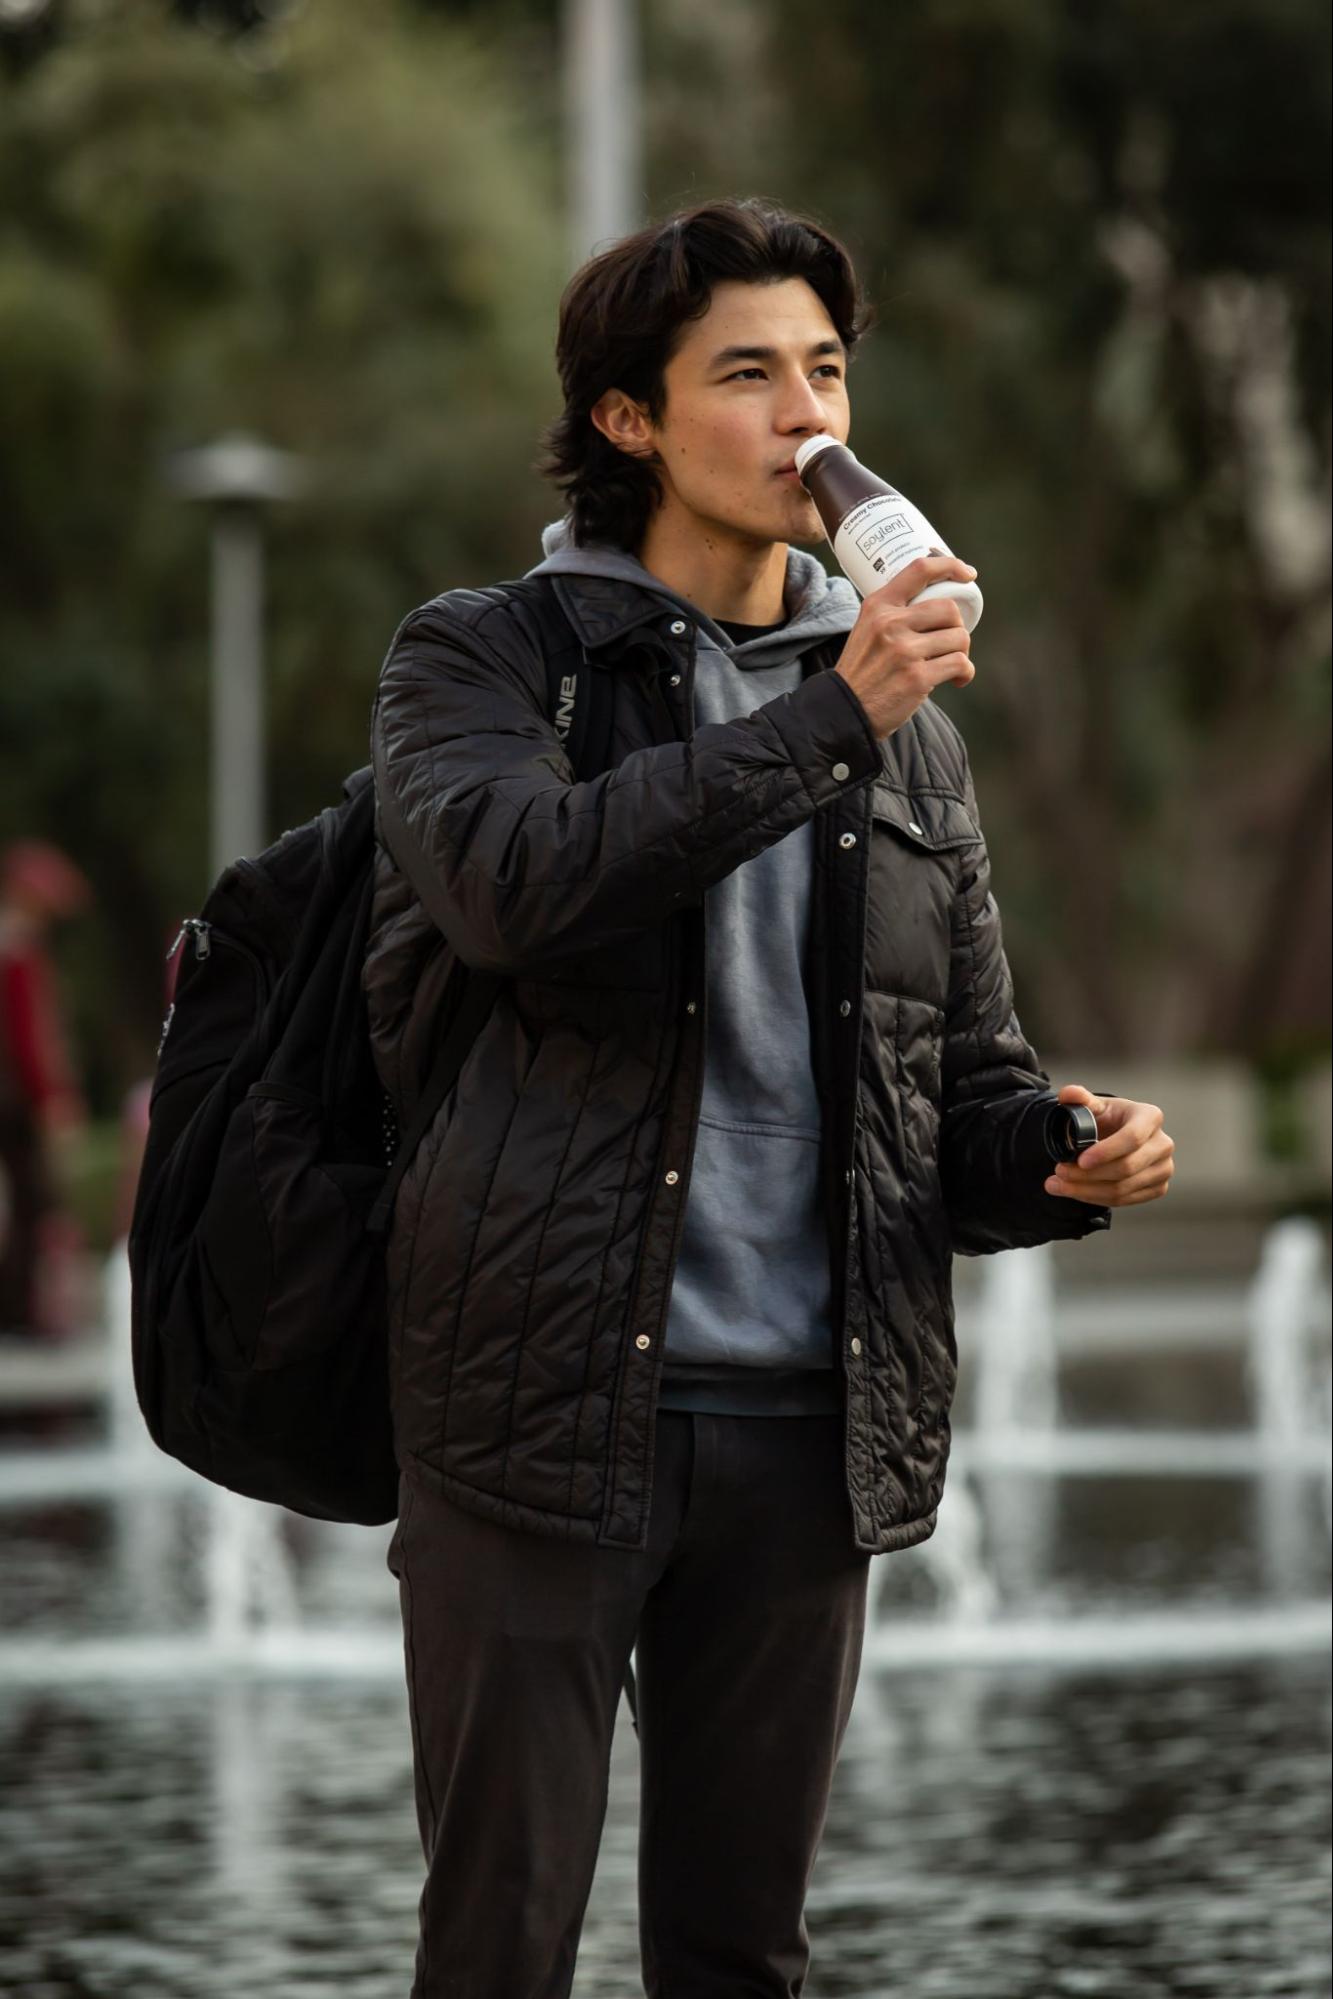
[(237, 475), (602, 123), (236, 691)]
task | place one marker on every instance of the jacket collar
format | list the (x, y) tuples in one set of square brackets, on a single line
[(603, 609), (606, 594)]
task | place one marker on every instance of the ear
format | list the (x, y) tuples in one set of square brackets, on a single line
[(625, 422)]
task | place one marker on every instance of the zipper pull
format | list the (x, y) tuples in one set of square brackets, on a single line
[(193, 926)]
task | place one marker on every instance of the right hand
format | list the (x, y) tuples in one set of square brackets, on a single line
[(898, 652)]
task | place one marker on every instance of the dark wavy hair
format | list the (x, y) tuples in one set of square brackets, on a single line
[(621, 316)]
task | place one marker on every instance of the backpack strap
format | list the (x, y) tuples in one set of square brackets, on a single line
[(579, 697)]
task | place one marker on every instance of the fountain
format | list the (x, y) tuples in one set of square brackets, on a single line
[(997, 1523), (1004, 1470)]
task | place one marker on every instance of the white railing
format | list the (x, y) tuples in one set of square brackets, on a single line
[(1012, 1339)]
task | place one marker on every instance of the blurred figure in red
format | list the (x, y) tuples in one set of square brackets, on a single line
[(41, 1106)]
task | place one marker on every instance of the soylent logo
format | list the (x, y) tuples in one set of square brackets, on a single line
[(564, 713)]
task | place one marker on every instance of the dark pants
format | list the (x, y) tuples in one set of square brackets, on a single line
[(746, 1614)]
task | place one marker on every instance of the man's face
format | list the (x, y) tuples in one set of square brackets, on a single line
[(733, 419)]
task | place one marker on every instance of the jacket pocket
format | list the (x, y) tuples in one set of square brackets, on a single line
[(919, 846), (931, 822)]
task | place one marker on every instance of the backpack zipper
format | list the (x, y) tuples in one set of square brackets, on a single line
[(207, 938), (202, 933)]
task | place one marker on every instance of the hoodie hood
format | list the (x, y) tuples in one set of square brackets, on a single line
[(817, 605)]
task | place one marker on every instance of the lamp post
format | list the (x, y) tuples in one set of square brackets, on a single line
[(602, 122), (236, 475)]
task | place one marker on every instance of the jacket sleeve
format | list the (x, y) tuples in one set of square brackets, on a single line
[(523, 868), (995, 1094)]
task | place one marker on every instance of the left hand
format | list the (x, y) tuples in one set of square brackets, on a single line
[(1131, 1161)]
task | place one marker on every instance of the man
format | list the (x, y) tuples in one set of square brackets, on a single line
[(672, 1349)]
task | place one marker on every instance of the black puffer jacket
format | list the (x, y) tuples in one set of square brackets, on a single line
[(535, 1236)]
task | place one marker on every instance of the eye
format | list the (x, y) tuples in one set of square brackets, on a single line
[(830, 368)]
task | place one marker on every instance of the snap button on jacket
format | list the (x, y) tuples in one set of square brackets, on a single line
[(536, 1232)]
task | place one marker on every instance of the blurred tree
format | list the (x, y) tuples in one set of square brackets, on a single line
[(336, 229), (1097, 234)]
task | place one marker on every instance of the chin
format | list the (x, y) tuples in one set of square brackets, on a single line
[(806, 528), (796, 520)]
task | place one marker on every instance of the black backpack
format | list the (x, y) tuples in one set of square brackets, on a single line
[(256, 1247)]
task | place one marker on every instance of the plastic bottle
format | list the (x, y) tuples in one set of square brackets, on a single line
[(875, 532)]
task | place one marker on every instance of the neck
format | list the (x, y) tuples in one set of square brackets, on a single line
[(738, 581)]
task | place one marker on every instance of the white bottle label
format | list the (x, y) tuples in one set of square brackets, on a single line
[(880, 537)]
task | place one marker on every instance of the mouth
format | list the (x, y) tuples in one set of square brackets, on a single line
[(787, 472)]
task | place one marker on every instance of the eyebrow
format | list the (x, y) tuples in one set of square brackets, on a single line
[(726, 354)]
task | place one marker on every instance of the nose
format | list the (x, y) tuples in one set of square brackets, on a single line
[(801, 409)]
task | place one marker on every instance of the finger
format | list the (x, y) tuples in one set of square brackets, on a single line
[(1109, 1197), (1065, 1190), (1122, 1139), (1071, 1093), (1153, 1191), (1154, 1149), (1147, 1159), (1112, 1192), (1076, 1094), (909, 582), (935, 613), (931, 645)]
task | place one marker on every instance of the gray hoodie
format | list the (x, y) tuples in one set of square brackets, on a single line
[(751, 1294)]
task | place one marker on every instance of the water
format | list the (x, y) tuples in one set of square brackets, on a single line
[(995, 1832), (205, 1765), (993, 1835)]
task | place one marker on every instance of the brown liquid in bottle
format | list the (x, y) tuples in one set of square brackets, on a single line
[(875, 530)]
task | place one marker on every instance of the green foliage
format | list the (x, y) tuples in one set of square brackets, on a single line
[(1097, 238), (346, 243)]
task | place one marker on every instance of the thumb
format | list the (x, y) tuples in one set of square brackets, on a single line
[(1075, 1093)]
